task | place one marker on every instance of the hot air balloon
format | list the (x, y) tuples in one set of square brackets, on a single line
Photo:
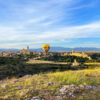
[(46, 48)]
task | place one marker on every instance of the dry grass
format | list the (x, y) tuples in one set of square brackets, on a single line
[(37, 85), (32, 61), (94, 63)]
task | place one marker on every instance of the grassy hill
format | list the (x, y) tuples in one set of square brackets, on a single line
[(49, 79), (67, 85), (17, 67)]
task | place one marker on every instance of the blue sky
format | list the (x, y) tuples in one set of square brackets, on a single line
[(66, 23)]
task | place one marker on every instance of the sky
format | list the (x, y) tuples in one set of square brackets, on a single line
[(60, 23)]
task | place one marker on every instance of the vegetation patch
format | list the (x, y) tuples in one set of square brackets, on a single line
[(52, 84)]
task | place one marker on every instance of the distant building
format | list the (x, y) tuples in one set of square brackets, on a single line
[(25, 51), (1, 53), (80, 54), (8, 53), (28, 48), (75, 63)]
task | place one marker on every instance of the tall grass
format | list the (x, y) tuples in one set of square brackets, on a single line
[(37, 85), (89, 76)]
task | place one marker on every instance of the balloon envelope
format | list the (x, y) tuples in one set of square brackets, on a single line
[(46, 48)]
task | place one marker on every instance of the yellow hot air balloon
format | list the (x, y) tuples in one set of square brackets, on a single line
[(46, 48)]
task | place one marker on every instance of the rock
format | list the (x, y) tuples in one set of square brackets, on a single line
[(72, 85), (88, 87), (16, 81), (50, 83), (58, 97), (94, 88), (70, 90), (73, 96), (27, 76), (5, 86), (35, 75), (61, 95), (63, 89), (22, 93), (66, 86), (77, 87), (36, 98), (14, 85), (70, 94), (19, 87), (28, 99), (64, 96), (82, 86)]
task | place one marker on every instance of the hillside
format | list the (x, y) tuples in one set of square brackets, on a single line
[(67, 85), (49, 78)]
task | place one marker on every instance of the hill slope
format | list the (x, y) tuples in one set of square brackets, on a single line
[(74, 85)]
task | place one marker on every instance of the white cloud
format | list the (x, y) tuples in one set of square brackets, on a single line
[(40, 22), (83, 31)]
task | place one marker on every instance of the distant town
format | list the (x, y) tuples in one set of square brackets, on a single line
[(28, 52)]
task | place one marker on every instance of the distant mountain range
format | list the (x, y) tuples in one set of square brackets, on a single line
[(59, 49), (9, 49)]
